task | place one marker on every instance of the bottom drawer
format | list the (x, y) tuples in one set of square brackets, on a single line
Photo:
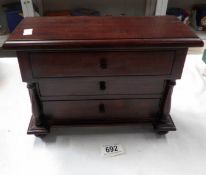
[(101, 110)]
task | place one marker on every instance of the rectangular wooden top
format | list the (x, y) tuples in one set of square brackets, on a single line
[(71, 32)]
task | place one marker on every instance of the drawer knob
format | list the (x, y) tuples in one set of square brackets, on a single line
[(102, 85), (103, 63), (101, 108)]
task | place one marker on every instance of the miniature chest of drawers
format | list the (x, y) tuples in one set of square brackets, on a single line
[(101, 70)]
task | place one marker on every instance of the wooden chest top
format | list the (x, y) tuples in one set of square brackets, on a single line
[(72, 32)]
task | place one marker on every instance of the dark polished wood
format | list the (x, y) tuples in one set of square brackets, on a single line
[(122, 109), (101, 70), (38, 131), (36, 104), (101, 63), (164, 122), (102, 32), (100, 86)]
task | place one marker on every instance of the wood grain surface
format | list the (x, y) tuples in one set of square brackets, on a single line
[(67, 32), (66, 64)]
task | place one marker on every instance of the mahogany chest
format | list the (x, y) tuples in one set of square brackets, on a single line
[(101, 70)]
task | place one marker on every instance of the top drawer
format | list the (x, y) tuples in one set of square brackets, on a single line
[(65, 64)]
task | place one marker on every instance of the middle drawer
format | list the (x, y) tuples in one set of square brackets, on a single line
[(100, 86)]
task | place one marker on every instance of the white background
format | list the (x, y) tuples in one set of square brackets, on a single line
[(76, 151)]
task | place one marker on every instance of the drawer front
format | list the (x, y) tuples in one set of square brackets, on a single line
[(65, 64), (100, 86), (101, 109)]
